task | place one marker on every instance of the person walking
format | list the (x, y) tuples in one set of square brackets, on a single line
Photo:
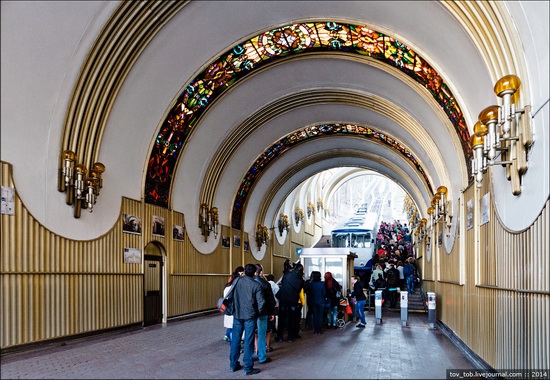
[(248, 304), (267, 315), (271, 325), (360, 300), (334, 293), (408, 272), (228, 319), (318, 293), (289, 293)]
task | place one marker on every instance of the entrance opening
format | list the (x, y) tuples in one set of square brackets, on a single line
[(152, 283)]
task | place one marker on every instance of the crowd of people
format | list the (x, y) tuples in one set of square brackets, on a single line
[(263, 307)]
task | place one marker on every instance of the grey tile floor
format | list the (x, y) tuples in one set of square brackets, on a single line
[(194, 348)]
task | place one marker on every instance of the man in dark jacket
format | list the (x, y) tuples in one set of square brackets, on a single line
[(248, 304), (267, 315), (288, 295)]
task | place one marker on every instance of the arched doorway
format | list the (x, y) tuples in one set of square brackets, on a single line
[(153, 275)]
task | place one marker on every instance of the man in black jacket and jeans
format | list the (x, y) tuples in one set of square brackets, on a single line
[(248, 304), (288, 295)]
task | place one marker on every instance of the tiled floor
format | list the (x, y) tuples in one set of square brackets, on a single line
[(194, 348)]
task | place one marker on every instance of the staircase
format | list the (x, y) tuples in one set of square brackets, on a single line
[(417, 303)]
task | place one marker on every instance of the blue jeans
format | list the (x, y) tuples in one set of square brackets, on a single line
[(262, 333), (318, 310), (359, 311), (332, 315), (249, 327), (287, 319), (410, 284)]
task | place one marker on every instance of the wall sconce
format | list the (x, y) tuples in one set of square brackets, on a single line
[(262, 235), (310, 209), (503, 132), (298, 216), (81, 186), (208, 221), (320, 205), (283, 224), (421, 229)]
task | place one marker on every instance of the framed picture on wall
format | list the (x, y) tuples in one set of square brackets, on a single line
[(178, 232), (158, 225), (131, 224), (236, 241), (225, 242), (132, 256), (470, 214), (246, 246)]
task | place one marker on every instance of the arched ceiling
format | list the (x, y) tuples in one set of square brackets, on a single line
[(119, 74)]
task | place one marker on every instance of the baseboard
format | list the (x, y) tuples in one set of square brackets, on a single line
[(476, 361)]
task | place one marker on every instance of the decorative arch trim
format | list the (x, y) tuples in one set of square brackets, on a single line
[(307, 134)]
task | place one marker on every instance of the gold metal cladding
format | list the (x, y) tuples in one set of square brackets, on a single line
[(508, 84), (488, 114)]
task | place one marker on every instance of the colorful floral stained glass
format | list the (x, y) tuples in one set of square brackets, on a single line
[(306, 134), (268, 47)]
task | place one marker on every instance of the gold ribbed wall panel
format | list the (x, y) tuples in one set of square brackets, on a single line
[(503, 314), (55, 287), (449, 264)]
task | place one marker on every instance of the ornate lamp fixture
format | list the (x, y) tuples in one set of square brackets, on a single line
[(422, 228), (283, 224), (310, 209), (298, 215), (503, 132), (208, 221), (81, 186), (320, 205), (262, 235)]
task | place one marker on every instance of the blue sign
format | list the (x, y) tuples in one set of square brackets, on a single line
[(299, 251)]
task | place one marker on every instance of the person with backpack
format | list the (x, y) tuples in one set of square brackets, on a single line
[(408, 272), (392, 278), (334, 293)]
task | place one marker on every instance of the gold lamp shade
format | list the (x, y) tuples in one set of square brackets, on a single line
[(69, 155), (488, 114), (430, 211), (98, 166), (424, 220), (442, 190), (508, 84), (81, 169), (480, 129), (476, 140)]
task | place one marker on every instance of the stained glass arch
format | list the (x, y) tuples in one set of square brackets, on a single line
[(271, 46)]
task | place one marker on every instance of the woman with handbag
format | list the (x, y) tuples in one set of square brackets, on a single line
[(334, 293)]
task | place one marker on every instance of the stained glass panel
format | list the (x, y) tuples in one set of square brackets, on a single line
[(306, 134), (267, 47)]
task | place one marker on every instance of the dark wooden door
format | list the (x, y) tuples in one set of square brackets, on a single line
[(152, 304)]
